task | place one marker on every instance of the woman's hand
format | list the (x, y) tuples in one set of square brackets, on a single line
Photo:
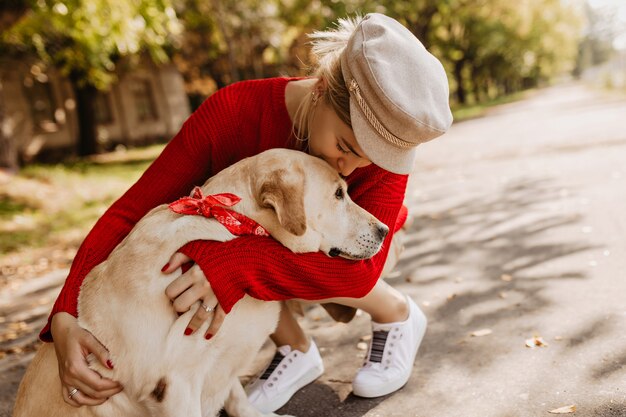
[(187, 289), (73, 345)]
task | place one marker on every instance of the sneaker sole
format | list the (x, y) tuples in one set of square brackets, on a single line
[(282, 399), (393, 386)]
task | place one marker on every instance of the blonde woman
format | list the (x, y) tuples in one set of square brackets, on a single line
[(375, 95)]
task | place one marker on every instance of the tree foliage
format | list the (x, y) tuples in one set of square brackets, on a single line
[(488, 47), (86, 38)]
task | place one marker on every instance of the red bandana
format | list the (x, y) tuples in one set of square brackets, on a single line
[(210, 206)]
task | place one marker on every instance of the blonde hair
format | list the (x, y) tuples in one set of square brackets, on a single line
[(327, 47)]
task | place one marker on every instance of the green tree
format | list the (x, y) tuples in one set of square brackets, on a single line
[(87, 40), (228, 40), (493, 47)]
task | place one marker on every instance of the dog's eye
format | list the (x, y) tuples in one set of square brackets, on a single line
[(339, 193)]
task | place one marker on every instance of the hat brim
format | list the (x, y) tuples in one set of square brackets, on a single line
[(382, 153)]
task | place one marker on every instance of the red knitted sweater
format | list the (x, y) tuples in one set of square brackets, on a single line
[(238, 121)]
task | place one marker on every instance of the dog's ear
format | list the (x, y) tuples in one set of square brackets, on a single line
[(283, 191)]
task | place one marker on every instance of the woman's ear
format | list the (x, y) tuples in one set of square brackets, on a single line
[(283, 192), (320, 87)]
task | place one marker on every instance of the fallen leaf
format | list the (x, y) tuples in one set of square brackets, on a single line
[(361, 346), (339, 381), (8, 336), (451, 297), (393, 274), (18, 325), (43, 301), (502, 294), (536, 341), (506, 277), (558, 338), (564, 410), (481, 332)]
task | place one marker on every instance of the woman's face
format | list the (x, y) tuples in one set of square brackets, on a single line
[(334, 141)]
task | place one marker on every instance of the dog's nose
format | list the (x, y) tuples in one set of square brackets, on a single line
[(381, 231), (334, 252)]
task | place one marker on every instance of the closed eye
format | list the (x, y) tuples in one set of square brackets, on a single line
[(341, 149), (342, 144)]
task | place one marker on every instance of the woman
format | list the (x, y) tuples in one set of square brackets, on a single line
[(375, 95)]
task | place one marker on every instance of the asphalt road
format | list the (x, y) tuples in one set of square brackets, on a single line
[(520, 225), (520, 218)]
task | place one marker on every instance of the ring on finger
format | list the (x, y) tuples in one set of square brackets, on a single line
[(207, 308), (72, 393)]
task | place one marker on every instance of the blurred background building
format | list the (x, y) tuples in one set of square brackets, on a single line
[(144, 106)]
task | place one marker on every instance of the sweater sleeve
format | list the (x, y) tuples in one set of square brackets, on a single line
[(264, 269), (184, 162)]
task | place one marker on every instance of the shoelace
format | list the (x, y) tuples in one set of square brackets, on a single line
[(275, 361), (379, 339)]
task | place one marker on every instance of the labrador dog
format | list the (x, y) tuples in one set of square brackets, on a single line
[(299, 199)]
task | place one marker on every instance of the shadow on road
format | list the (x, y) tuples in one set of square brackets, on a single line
[(321, 400), (507, 240)]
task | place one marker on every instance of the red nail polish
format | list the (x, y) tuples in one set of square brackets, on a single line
[(167, 265), (208, 336), (188, 331), (110, 364)]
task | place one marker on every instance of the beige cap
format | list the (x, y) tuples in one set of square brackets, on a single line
[(398, 92)]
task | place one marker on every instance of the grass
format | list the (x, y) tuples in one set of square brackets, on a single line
[(48, 205), (471, 111), (9, 208)]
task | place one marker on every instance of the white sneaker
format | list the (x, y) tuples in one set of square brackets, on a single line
[(391, 355), (289, 371)]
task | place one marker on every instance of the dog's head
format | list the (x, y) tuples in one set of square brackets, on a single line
[(307, 207)]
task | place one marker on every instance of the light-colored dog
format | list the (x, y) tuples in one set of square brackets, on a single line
[(300, 200)]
